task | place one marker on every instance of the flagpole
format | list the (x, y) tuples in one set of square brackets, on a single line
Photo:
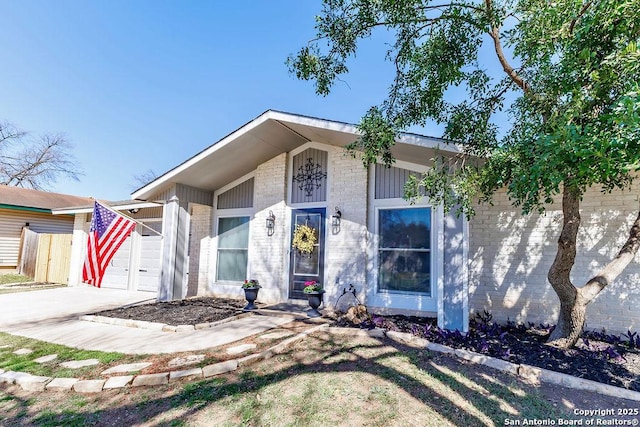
[(128, 217)]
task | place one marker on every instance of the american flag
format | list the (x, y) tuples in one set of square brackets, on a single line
[(107, 232)]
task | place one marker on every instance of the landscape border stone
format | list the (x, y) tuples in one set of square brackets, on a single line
[(526, 372), (185, 373), (61, 384), (117, 382), (161, 378), (33, 382), (88, 386), (156, 326)]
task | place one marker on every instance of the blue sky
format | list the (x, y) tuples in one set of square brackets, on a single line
[(139, 85)]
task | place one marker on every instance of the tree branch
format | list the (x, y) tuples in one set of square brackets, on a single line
[(580, 14), (612, 270), (494, 33)]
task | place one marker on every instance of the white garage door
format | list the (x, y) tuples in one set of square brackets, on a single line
[(150, 253), (116, 276), (136, 265)]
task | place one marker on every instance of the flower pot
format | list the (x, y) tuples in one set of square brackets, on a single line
[(315, 299), (250, 294)]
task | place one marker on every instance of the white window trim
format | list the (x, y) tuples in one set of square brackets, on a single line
[(406, 301), (432, 250), (228, 213), (292, 154)]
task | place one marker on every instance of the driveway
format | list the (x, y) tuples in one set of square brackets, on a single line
[(52, 315)]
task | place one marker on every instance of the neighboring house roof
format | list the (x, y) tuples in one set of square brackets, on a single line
[(34, 200), (119, 206), (268, 135)]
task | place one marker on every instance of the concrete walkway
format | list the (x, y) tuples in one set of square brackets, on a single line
[(52, 315)]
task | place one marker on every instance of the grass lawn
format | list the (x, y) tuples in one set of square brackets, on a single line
[(12, 282), (13, 278), (322, 381)]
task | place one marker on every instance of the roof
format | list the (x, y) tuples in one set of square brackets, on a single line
[(119, 206), (265, 137), (44, 201)]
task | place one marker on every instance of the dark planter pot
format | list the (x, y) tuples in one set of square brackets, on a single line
[(315, 299), (250, 294)]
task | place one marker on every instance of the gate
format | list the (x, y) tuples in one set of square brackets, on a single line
[(45, 257)]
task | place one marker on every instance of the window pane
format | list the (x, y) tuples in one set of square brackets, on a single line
[(306, 264), (406, 271), (405, 228), (233, 232), (232, 264), (233, 241)]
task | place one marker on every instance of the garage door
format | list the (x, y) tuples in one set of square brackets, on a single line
[(150, 253), (116, 276), (136, 264)]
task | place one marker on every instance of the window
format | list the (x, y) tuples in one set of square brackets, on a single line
[(404, 250), (233, 244)]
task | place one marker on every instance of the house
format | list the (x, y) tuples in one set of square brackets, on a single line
[(230, 213), (23, 207)]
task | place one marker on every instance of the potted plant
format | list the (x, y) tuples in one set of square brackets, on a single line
[(314, 292), (251, 288)]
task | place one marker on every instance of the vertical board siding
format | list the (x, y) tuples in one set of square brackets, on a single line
[(240, 196), (390, 182), (11, 223), (319, 194), (145, 213), (189, 194)]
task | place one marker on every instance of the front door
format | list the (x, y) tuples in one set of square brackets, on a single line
[(307, 267)]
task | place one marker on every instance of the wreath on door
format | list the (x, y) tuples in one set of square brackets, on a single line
[(304, 239)]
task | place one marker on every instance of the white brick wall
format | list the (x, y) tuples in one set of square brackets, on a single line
[(345, 251), (268, 254), (344, 248), (199, 249), (510, 255)]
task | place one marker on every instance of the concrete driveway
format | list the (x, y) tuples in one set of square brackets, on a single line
[(52, 315)]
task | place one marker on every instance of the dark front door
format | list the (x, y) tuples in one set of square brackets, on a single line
[(307, 267)]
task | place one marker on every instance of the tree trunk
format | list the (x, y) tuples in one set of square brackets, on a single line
[(574, 301)]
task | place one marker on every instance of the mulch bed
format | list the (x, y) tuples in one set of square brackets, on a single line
[(600, 357), (189, 311)]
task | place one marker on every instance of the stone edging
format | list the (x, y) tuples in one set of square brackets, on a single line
[(164, 327), (154, 326), (29, 382), (534, 374), (527, 372)]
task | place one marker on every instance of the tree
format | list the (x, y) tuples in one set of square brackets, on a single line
[(568, 78), (32, 162), (144, 178)]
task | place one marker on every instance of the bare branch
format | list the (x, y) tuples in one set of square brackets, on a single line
[(34, 162)]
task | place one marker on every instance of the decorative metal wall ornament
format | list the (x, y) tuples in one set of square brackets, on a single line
[(309, 177)]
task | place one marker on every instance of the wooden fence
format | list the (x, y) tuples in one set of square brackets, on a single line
[(45, 257)]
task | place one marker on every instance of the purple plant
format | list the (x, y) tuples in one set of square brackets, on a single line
[(378, 321), (611, 353), (633, 340), (414, 329)]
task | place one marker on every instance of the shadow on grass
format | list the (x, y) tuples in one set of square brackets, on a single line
[(451, 391)]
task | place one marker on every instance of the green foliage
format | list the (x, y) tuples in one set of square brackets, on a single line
[(570, 88)]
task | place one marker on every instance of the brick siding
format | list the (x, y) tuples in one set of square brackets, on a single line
[(510, 255)]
